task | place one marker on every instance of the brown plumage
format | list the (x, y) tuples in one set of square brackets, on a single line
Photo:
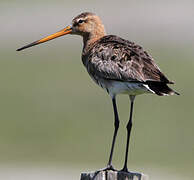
[(117, 65), (113, 58)]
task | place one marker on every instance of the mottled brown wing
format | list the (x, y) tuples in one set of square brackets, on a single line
[(118, 59)]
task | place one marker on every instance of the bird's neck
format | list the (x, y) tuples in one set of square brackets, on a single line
[(90, 38)]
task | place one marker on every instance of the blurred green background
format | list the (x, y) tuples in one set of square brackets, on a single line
[(53, 115)]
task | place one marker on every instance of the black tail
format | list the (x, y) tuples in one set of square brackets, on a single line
[(161, 88)]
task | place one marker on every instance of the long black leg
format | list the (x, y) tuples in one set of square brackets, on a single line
[(116, 125), (129, 126)]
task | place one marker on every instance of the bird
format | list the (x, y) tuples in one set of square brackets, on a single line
[(117, 65)]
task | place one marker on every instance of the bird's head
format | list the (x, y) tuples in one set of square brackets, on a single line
[(87, 24)]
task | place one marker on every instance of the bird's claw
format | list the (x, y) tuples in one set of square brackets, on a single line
[(125, 169), (109, 167)]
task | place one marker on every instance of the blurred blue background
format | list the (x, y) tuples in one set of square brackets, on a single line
[(56, 123)]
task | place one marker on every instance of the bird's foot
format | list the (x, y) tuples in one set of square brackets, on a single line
[(125, 169), (109, 167)]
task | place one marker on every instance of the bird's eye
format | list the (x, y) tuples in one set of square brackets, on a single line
[(80, 21)]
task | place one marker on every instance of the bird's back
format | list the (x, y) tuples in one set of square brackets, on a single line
[(113, 58)]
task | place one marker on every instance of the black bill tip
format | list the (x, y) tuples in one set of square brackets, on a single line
[(27, 46), (19, 49)]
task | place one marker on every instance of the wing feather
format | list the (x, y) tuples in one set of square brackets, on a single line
[(114, 58)]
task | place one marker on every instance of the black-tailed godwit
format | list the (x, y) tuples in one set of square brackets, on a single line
[(117, 65)]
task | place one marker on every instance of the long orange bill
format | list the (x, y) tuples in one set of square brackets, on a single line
[(63, 32)]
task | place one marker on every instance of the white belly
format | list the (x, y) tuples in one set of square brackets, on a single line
[(130, 88), (118, 87)]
